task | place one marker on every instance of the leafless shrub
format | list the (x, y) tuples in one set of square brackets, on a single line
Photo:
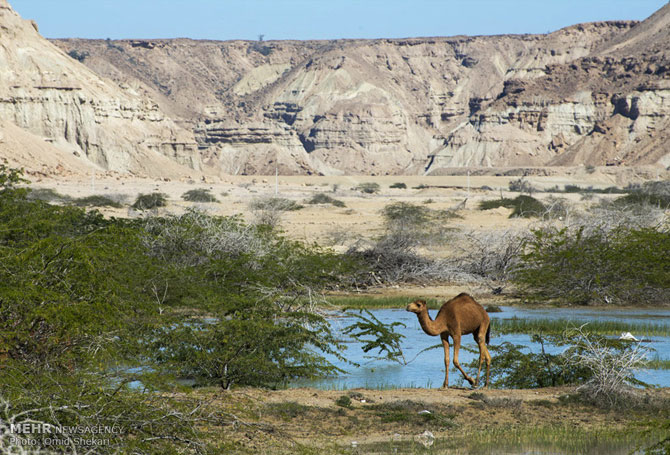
[(559, 209), (194, 237), (613, 369), (11, 443), (607, 216), (268, 211), (343, 237), (489, 256), (522, 186), (393, 258)]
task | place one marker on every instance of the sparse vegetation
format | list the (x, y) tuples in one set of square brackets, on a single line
[(150, 201), (199, 195), (77, 55), (399, 185), (323, 198), (522, 186), (523, 206), (368, 187), (268, 211), (343, 401), (96, 201)]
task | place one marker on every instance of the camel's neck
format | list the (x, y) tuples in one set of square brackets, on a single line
[(428, 325)]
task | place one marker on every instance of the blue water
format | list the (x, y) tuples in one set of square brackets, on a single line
[(427, 370)]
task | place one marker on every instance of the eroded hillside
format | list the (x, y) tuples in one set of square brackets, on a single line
[(363, 106)]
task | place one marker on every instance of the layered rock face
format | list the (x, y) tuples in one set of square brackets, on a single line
[(588, 94), (90, 123), (357, 106)]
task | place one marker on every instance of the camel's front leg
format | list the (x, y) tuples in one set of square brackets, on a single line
[(445, 344), (457, 346)]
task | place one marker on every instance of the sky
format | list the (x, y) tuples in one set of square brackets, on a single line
[(317, 19)]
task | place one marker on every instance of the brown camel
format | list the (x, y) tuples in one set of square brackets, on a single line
[(458, 316)]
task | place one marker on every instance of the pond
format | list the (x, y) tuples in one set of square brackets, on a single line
[(427, 370)]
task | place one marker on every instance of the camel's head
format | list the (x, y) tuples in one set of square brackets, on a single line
[(417, 306)]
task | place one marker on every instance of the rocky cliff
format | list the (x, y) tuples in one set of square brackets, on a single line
[(587, 94), (57, 115)]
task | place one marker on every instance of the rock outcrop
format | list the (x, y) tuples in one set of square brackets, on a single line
[(85, 121), (588, 94)]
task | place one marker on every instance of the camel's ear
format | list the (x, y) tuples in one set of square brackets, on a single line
[(421, 302)]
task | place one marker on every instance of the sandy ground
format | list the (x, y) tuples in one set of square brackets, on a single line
[(321, 223)]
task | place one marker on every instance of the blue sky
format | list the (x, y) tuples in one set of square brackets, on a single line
[(317, 19)]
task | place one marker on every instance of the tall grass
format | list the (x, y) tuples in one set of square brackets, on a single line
[(558, 326)]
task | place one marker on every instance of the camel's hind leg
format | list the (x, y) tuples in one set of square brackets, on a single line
[(445, 344), (484, 355), (457, 346)]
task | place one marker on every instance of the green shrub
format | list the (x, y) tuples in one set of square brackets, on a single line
[(581, 267), (322, 198), (199, 195), (275, 203), (399, 185), (96, 201), (368, 187), (406, 213), (640, 198), (343, 401), (515, 369), (80, 56), (48, 195), (524, 206), (150, 201)]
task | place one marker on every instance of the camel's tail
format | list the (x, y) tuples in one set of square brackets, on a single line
[(488, 334)]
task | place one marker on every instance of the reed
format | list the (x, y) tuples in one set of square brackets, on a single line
[(558, 326)]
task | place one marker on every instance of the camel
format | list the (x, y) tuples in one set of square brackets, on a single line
[(458, 316)]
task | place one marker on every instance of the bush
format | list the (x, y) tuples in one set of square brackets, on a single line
[(48, 195), (150, 201), (80, 56), (524, 206), (399, 185), (96, 201), (323, 198), (596, 266), (611, 366), (269, 210), (489, 257), (405, 214), (368, 187), (199, 195), (515, 369), (644, 199), (392, 259), (274, 203), (343, 401), (521, 186)]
